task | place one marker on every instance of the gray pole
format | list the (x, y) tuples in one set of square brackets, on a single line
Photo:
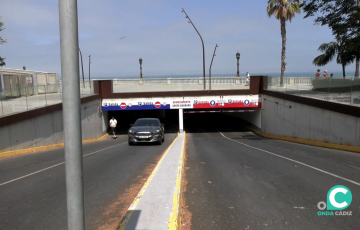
[(211, 65), (202, 46), (69, 47), (89, 71)]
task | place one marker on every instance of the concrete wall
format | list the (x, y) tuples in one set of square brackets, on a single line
[(48, 129), (286, 118), (251, 117)]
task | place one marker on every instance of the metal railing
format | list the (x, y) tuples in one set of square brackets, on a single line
[(339, 90), (20, 99), (177, 84)]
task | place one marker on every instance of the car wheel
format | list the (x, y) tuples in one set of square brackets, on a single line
[(163, 140), (130, 143), (160, 142)]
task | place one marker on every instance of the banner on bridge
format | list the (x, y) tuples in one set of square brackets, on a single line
[(211, 102)]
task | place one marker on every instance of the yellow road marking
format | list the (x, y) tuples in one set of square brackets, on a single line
[(137, 199), (174, 220), (308, 142), (41, 148)]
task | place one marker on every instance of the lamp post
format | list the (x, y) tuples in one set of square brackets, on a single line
[(238, 58), (89, 71), (210, 67), (140, 61), (82, 67), (202, 45), (69, 41)]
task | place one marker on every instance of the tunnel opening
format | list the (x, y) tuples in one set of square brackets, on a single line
[(209, 122)]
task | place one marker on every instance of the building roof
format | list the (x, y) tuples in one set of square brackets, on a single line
[(19, 71)]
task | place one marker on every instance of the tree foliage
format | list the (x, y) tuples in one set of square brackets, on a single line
[(2, 41), (342, 17), (330, 50)]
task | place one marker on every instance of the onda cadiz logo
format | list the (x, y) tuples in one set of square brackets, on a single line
[(339, 198)]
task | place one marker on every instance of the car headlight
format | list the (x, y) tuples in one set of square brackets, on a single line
[(131, 131), (157, 131)]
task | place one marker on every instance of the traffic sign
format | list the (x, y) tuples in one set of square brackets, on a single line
[(123, 105), (157, 104)]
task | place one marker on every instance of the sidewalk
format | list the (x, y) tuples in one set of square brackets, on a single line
[(157, 204)]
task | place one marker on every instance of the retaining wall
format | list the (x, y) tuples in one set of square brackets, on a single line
[(47, 129), (291, 119)]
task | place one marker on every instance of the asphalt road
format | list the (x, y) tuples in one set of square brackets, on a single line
[(243, 181), (111, 170)]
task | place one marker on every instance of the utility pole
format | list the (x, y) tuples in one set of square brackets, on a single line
[(89, 70), (210, 67), (69, 48), (202, 46)]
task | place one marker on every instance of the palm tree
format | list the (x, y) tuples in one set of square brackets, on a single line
[(283, 10), (331, 49)]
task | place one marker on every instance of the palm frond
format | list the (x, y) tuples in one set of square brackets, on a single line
[(322, 59), (329, 47)]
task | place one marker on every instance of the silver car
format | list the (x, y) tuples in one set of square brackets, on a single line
[(146, 130)]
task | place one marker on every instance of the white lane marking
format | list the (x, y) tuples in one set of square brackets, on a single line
[(300, 207), (320, 170), (8, 182)]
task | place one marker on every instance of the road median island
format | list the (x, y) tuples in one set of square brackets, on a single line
[(41, 148), (157, 204)]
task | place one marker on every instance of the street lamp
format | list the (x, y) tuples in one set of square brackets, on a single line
[(82, 67), (89, 70), (202, 45), (210, 67), (238, 58), (140, 61)]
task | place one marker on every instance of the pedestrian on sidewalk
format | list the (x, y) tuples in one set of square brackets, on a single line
[(113, 123), (325, 74)]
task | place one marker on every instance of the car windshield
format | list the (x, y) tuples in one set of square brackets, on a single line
[(144, 122)]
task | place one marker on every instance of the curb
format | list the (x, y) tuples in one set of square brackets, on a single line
[(175, 220), (138, 197), (308, 142), (41, 148)]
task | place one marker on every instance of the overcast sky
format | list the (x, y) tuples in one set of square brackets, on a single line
[(157, 31)]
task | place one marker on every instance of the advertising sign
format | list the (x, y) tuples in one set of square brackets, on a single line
[(211, 102)]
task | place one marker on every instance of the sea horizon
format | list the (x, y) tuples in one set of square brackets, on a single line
[(289, 74)]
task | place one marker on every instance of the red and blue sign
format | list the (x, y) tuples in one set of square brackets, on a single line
[(182, 103)]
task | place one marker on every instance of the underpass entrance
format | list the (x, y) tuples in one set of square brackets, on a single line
[(170, 110)]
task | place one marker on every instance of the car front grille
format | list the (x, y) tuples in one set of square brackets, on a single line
[(143, 133)]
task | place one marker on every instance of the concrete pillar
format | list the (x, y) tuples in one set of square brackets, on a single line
[(181, 121), (105, 120)]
